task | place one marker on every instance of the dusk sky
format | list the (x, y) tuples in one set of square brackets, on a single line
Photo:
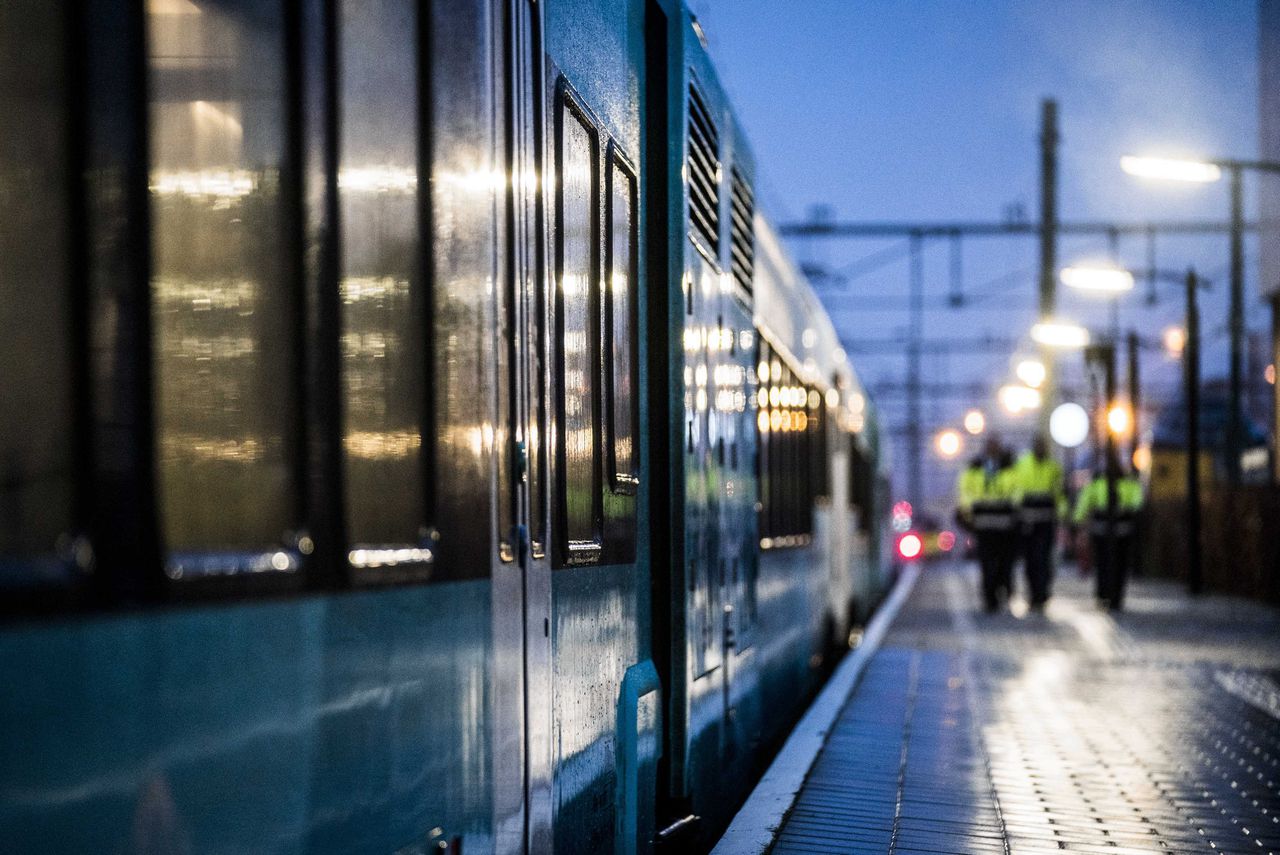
[(929, 110)]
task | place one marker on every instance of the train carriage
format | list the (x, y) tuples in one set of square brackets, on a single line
[(412, 436)]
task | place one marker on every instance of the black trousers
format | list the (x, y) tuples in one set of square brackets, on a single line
[(1037, 547), (1112, 570), (997, 550)]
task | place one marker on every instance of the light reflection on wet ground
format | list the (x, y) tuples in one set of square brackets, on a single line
[(1073, 730)]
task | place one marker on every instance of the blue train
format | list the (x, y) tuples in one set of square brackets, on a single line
[(413, 439)]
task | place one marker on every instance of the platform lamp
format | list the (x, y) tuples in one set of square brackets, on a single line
[(1111, 280), (1202, 172)]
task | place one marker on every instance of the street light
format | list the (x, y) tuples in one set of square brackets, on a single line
[(1119, 419), (948, 443), (1205, 171), (1175, 339), (1069, 424), (975, 422), (1031, 372), (1018, 399), (1058, 333), (1109, 280), (1171, 169)]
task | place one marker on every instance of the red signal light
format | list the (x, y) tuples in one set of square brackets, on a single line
[(946, 541), (910, 546)]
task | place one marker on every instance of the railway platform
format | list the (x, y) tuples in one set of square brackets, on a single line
[(954, 731)]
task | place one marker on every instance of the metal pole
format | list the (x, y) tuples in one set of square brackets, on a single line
[(1191, 381), (1048, 246), (915, 459), (1235, 439), (1113, 462), (1135, 392), (1275, 389)]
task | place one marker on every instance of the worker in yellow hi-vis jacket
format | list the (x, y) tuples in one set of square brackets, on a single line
[(1042, 501), (968, 490), (995, 525), (1091, 509)]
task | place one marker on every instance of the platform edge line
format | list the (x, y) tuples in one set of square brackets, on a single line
[(755, 825)]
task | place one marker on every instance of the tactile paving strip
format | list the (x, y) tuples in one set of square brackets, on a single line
[(1004, 736)]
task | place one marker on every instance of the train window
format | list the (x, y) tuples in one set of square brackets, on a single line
[(620, 332), (577, 339), (818, 448), (221, 291), (787, 450), (382, 301), (860, 485), (36, 411)]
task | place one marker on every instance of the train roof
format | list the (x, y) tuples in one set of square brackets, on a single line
[(786, 308)]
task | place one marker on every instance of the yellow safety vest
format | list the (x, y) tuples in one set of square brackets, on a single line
[(1041, 479), (969, 487), (993, 507), (1094, 497)]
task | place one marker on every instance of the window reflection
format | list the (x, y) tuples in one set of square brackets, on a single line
[(382, 329), (622, 344), (577, 317), (35, 344), (220, 298)]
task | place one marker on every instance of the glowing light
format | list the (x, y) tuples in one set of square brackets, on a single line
[(902, 507), (1069, 424), (224, 184), (381, 445), (377, 179), (1111, 280), (1270, 374), (1119, 419), (1031, 372), (1171, 169), (833, 398), (975, 422), (1019, 399), (1142, 458), (388, 557), (910, 545), (946, 541), (948, 443), (476, 181), (172, 7), (1175, 340), (1056, 333)]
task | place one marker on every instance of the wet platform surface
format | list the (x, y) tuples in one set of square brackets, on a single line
[(1157, 730)]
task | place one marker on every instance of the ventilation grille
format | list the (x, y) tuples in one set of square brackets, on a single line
[(704, 171), (742, 235)]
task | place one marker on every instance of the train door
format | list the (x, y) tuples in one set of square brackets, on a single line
[(523, 549)]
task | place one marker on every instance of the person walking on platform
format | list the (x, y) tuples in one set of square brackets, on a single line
[(968, 490), (993, 516), (1111, 569), (1042, 501)]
